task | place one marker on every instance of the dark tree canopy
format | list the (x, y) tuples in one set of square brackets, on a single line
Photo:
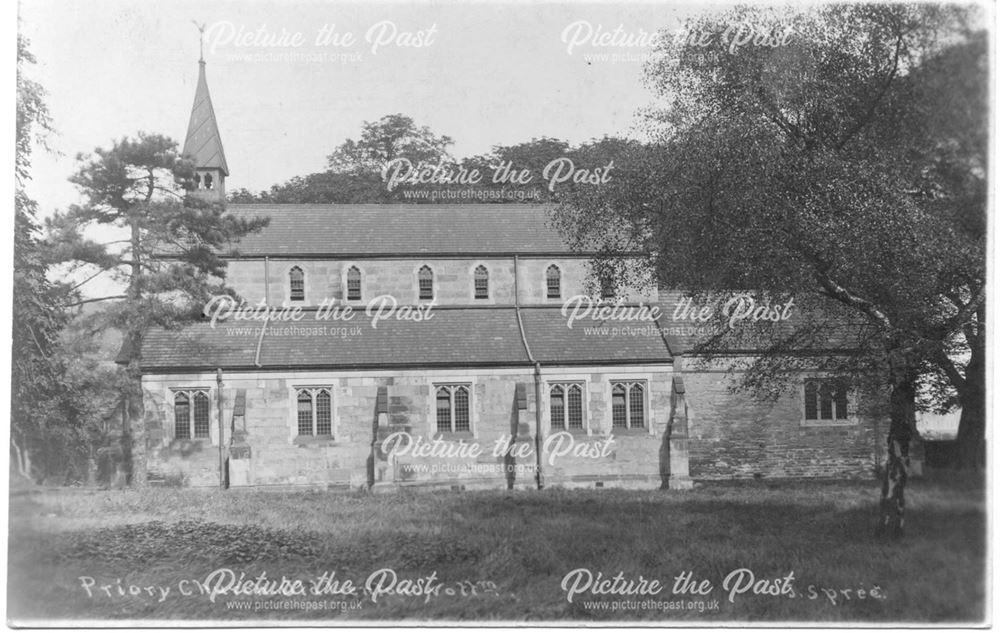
[(164, 247), (848, 166), (63, 397), (355, 171), (169, 260), (392, 136)]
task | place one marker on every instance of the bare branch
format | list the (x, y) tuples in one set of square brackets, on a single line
[(870, 113), (75, 286), (835, 291), (78, 303)]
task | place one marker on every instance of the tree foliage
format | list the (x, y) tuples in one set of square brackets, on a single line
[(159, 241), (393, 136), (171, 243), (354, 169), (354, 172), (845, 168), (44, 427)]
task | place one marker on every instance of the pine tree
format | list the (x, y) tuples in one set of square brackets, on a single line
[(165, 249)]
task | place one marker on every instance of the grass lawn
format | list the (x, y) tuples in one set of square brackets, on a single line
[(501, 556)]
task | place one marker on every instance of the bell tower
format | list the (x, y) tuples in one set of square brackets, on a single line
[(203, 144)]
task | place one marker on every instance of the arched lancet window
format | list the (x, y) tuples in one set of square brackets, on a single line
[(453, 408), (557, 407), (574, 407), (840, 402), (553, 282), (182, 416), (314, 412), (208, 181), (628, 405), (636, 407), (305, 412), (197, 180), (296, 284), (826, 401), (425, 280), (191, 414), (353, 284), (812, 390), (482, 283), (566, 406)]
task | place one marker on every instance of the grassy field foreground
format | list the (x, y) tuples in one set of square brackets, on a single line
[(792, 552)]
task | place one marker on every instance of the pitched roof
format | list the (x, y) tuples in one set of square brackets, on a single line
[(203, 142), (378, 230), (621, 342), (453, 337), (826, 328)]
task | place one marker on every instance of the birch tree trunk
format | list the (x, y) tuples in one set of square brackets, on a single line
[(902, 420)]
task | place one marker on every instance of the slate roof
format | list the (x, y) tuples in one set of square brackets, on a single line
[(203, 141), (380, 230), (453, 337), (621, 342), (836, 330)]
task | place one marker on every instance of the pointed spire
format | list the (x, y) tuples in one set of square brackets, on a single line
[(203, 142)]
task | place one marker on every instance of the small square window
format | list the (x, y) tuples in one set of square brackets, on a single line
[(825, 401)]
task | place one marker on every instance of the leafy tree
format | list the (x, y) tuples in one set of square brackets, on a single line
[(947, 124), (393, 136), (168, 255), (827, 169), (355, 172), (96, 386), (321, 187), (43, 428), (245, 196), (533, 156)]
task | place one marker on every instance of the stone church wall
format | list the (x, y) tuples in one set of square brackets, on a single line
[(453, 280), (732, 436), (277, 456)]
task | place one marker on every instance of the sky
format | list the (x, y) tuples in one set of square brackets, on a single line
[(483, 73)]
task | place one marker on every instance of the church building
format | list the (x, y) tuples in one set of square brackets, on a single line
[(432, 348)]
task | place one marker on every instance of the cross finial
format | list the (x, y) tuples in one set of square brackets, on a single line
[(201, 41)]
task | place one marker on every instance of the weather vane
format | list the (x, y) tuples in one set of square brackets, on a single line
[(201, 40)]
